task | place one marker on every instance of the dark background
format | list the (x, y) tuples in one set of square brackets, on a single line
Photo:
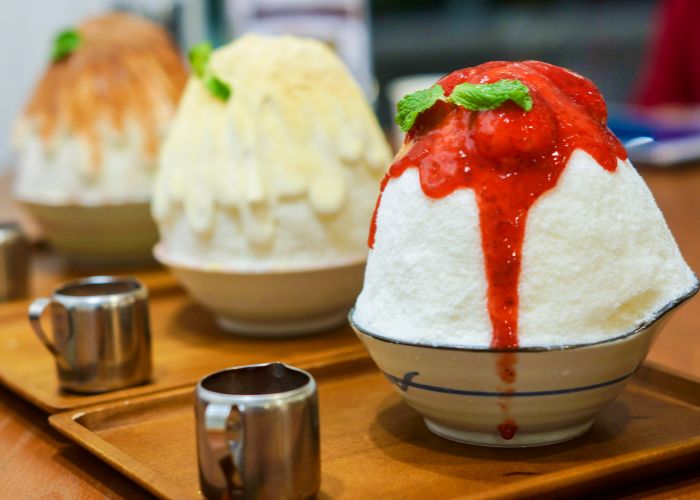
[(605, 41)]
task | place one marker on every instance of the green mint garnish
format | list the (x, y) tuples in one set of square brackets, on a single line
[(218, 88), (414, 104), (485, 96), (65, 43), (199, 60), (472, 96)]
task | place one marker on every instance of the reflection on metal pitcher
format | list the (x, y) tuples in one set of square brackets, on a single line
[(101, 333), (258, 433)]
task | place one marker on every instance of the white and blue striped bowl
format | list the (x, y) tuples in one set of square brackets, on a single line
[(557, 394)]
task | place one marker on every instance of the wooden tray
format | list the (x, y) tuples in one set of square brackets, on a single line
[(187, 343), (374, 446)]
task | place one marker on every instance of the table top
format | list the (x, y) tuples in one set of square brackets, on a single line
[(37, 462)]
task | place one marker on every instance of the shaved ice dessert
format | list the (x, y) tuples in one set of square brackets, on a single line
[(520, 225)]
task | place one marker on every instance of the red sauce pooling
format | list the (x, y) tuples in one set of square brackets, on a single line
[(509, 157), (508, 429)]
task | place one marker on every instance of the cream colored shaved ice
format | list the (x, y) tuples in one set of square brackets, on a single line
[(598, 260), (61, 172), (284, 174)]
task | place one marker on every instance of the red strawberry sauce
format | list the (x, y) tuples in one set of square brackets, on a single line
[(509, 157)]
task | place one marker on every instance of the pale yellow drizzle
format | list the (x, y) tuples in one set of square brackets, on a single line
[(294, 125)]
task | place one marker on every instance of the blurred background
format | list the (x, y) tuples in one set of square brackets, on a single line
[(381, 40)]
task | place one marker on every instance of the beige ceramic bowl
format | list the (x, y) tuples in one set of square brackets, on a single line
[(271, 304), (557, 394), (100, 234)]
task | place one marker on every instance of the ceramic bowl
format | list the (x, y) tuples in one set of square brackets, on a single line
[(275, 303), (99, 234), (556, 395)]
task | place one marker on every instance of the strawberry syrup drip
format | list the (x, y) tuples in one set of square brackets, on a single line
[(509, 158), (507, 429)]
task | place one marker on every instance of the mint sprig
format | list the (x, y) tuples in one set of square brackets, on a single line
[(65, 43), (485, 96), (199, 56), (472, 96), (218, 88), (414, 104)]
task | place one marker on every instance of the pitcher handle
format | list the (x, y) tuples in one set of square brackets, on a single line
[(36, 309), (224, 423)]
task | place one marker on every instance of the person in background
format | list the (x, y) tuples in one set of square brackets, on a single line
[(672, 73)]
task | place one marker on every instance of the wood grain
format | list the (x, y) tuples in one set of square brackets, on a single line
[(37, 462), (34, 466), (366, 427), (187, 343)]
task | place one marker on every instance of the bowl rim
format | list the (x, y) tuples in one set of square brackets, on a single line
[(160, 255), (673, 304), (29, 204)]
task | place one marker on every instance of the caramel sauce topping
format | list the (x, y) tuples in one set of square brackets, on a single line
[(125, 68)]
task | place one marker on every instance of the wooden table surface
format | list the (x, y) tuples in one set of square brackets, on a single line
[(36, 462)]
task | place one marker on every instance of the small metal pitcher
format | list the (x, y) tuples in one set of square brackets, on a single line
[(101, 332), (258, 433)]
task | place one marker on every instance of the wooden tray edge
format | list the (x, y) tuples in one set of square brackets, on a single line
[(662, 382), (19, 391), (66, 423), (676, 384), (585, 478), (351, 354)]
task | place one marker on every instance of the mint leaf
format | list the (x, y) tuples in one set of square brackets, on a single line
[(485, 96), (414, 104), (472, 96), (199, 58), (218, 88), (65, 43)]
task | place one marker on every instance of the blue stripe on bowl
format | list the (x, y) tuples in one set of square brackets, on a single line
[(407, 381)]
